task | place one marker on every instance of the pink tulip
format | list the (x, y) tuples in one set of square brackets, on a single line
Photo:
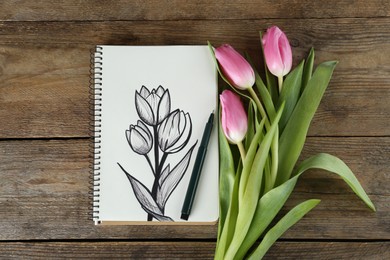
[(234, 119), (277, 52), (234, 67)]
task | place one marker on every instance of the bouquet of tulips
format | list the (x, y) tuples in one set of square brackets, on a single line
[(269, 133)]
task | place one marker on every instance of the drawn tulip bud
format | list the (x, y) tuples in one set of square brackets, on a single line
[(277, 51), (139, 138), (234, 120), (234, 67), (174, 132), (153, 106)]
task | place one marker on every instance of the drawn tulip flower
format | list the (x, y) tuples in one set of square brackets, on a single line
[(153, 106), (159, 132), (139, 138), (174, 132)]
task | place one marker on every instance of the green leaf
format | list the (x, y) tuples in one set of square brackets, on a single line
[(292, 217), (248, 162), (265, 97), (308, 69), (263, 92), (272, 83), (252, 190), (290, 94), (251, 126), (335, 165), (229, 225), (268, 207), (271, 203), (226, 176), (294, 135)]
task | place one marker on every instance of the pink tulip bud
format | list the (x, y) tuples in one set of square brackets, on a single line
[(234, 67), (277, 52), (234, 119)]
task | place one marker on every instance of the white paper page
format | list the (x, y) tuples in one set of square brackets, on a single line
[(189, 75)]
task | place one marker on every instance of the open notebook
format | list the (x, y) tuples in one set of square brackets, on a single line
[(151, 107)]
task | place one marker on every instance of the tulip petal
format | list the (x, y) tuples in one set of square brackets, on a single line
[(164, 106), (144, 91), (185, 135), (174, 132), (167, 132), (138, 141), (153, 99), (277, 52), (234, 119), (146, 130), (144, 110), (127, 132), (160, 91), (272, 53), (285, 53), (236, 69)]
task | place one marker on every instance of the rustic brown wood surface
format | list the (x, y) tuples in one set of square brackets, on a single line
[(44, 114)]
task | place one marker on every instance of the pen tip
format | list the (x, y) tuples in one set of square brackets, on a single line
[(184, 216)]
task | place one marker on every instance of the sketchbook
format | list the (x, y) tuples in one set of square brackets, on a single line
[(151, 104)]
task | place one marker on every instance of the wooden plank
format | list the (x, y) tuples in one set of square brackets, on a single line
[(189, 250), (45, 184), (45, 66), (187, 10), (44, 106)]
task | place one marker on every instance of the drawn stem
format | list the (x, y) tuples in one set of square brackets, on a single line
[(163, 158), (156, 167), (156, 159), (150, 164)]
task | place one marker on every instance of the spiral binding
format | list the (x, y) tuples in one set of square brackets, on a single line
[(95, 94)]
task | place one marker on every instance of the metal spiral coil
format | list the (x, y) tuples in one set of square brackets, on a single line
[(95, 108)]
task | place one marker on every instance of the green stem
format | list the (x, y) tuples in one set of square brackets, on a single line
[(275, 140), (280, 81), (242, 151), (260, 107)]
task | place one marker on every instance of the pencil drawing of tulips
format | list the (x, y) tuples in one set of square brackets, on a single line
[(158, 133)]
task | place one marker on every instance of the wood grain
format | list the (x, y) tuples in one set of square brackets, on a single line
[(44, 76), (44, 115), (64, 10), (45, 184), (189, 250)]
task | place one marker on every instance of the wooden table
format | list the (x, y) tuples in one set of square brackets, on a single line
[(44, 115)]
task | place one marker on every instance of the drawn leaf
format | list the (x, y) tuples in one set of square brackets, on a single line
[(173, 178), (164, 174), (158, 216), (145, 198)]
